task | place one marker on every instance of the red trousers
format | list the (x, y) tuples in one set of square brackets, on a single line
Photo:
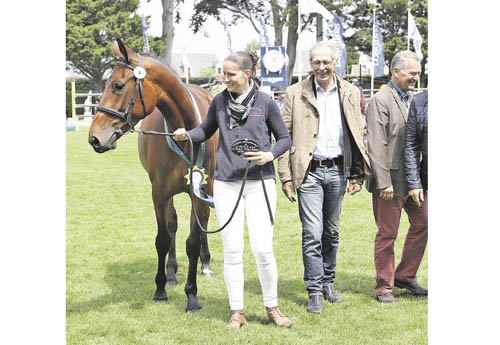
[(387, 217)]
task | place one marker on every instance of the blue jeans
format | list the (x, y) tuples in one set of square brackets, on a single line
[(320, 202)]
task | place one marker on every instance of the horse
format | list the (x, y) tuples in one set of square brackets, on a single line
[(142, 88)]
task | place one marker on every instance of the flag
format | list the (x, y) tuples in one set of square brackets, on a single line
[(312, 6), (145, 47), (414, 35), (229, 45), (377, 50), (364, 59), (339, 45), (264, 38)]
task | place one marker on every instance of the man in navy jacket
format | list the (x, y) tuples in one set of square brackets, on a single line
[(416, 149)]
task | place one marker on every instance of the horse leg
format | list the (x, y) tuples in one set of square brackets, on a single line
[(193, 245), (171, 221), (204, 214), (162, 243)]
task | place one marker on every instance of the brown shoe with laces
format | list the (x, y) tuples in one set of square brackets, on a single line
[(277, 317), (237, 320), (386, 298)]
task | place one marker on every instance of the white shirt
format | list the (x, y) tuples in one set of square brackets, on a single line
[(330, 141)]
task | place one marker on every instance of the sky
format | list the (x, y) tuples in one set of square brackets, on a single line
[(197, 43), (214, 41)]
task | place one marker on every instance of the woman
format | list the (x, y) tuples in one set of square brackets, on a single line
[(242, 112)]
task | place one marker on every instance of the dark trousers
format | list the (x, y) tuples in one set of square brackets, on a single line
[(387, 215)]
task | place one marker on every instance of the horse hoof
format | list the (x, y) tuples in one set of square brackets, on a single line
[(207, 272), (171, 283), (160, 297), (160, 300), (194, 311)]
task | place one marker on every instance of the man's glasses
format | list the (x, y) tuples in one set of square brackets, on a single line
[(317, 63)]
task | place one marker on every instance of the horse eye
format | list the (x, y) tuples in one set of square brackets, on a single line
[(118, 86)]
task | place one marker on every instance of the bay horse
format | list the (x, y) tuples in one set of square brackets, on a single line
[(141, 88)]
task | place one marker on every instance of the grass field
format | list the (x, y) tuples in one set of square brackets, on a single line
[(111, 266)]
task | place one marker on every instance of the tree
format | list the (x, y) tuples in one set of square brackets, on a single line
[(253, 45), (276, 16), (207, 72), (393, 20), (91, 26), (357, 15)]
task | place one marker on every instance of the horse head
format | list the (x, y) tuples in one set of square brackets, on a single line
[(129, 96)]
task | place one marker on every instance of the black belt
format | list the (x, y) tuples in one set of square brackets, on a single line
[(327, 163)]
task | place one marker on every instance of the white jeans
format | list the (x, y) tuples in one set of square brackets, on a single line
[(260, 233)]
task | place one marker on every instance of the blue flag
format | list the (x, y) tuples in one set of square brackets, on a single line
[(339, 45), (145, 47), (377, 50), (264, 38), (229, 45)]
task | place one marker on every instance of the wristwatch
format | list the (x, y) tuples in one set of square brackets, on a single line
[(273, 60)]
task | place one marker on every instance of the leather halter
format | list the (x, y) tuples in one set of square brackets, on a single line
[(126, 117)]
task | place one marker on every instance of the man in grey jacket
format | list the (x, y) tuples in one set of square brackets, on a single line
[(324, 119), (386, 118)]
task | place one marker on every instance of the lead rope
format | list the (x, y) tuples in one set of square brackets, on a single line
[(191, 154), (191, 188)]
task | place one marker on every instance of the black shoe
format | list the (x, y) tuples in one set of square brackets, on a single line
[(413, 287), (315, 304), (330, 294)]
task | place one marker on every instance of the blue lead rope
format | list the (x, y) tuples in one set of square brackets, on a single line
[(207, 199)]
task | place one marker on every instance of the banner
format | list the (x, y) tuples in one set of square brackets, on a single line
[(312, 6), (272, 68), (414, 35), (377, 50), (339, 45), (145, 47), (229, 45), (264, 38)]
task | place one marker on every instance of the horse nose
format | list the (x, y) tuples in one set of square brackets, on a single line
[(96, 144)]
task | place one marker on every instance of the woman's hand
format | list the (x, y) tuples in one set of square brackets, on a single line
[(180, 134), (260, 157)]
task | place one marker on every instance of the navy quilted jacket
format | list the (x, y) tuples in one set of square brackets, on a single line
[(416, 143)]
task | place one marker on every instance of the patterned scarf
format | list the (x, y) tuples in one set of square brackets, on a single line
[(239, 108)]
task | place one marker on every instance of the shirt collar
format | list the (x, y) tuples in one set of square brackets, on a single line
[(319, 88), (403, 95)]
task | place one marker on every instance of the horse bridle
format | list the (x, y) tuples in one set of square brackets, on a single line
[(126, 116)]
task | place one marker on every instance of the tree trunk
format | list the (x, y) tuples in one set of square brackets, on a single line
[(291, 46), (278, 23), (168, 29)]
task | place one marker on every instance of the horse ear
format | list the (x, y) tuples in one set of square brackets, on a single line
[(119, 48)]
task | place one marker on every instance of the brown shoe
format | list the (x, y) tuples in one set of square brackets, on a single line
[(386, 298), (237, 320), (277, 317)]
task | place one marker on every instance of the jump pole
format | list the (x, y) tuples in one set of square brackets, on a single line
[(74, 126)]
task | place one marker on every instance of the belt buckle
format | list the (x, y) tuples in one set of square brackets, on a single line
[(320, 164)]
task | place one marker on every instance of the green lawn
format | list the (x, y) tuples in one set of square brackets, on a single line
[(111, 266)]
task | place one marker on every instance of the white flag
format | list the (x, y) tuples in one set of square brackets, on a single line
[(312, 6), (414, 35)]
